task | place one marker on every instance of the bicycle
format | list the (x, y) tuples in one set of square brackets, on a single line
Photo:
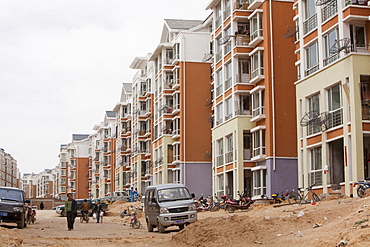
[(300, 197), (84, 217)]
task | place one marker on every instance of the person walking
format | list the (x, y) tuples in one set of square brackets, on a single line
[(98, 211), (41, 205), (131, 193), (70, 206)]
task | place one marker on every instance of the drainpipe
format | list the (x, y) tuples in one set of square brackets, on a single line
[(183, 132), (272, 91)]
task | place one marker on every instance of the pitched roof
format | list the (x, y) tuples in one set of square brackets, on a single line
[(182, 24), (79, 137)]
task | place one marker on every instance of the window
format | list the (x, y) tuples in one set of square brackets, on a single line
[(226, 41), (358, 37), (169, 56), (258, 103), (259, 182), (259, 143), (315, 171), (244, 105), (218, 12), (218, 53), (227, 11), (228, 75), (247, 146), (229, 146), (334, 117), (329, 41), (219, 83), (310, 22), (313, 106), (219, 114), (256, 26), (229, 108), (220, 152), (257, 65), (312, 59), (243, 75), (220, 187)]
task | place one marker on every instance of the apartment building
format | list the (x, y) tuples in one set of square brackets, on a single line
[(8, 170), (253, 134), (332, 41), (77, 154), (122, 170), (142, 124), (103, 142), (172, 136), (30, 184), (45, 184)]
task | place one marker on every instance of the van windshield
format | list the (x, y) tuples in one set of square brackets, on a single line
[(11, 195), (173, 194)]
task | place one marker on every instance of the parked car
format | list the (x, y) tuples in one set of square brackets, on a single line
[(60, 210), (13, 207)]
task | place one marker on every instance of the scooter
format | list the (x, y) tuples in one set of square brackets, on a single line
[(280, 199), (232, 205), (362, 186), (217, 205)]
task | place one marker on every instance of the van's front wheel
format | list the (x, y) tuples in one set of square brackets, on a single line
[(161, 228)]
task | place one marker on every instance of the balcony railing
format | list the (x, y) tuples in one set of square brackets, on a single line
[(258, 111), (331, 59), (258, 151), (334, 118), (310, 24), (247, 154), (228, 83), (311, 70), (257, 72), (257, 33), (220, 160), (243, 78), (242, 39), (329, 10), (227, 47), (229, 157), (219, 90)]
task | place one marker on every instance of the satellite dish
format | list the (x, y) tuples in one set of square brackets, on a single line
[(309, 117), (323, 2), (340, 45), (291, 31), (225, 39), (207, 57)]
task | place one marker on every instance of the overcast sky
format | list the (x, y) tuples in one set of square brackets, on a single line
[(62, 64)]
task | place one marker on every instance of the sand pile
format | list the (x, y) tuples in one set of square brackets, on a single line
[(10, 238)]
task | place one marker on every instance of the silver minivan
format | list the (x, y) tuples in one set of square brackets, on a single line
[(168, 205)]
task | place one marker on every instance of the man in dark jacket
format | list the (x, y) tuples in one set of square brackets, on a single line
[(70, 206)]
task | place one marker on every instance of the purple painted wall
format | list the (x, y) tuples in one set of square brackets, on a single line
[(285, 176), (198, 178)]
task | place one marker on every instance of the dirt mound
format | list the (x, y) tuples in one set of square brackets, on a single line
[(118, 206), (323, 224), (10, 238)]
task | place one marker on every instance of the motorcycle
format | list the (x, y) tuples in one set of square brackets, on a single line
[(134, 223), (280, 199), (243, 203), (202, 204), (217, 205), (31, 217), (362, 186)]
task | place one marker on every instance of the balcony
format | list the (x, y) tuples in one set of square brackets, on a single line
[(258, 114), (242, 39), (334, 118), (247, 154), (254, 4), (138, 74), (331, 59), (219, 90), (218, 22), (256, 37), (218, 56), (176, 134), (227, 48), (310, 24), (257, 75)]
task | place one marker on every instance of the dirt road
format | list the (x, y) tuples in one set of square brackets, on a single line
[(51, 230)]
